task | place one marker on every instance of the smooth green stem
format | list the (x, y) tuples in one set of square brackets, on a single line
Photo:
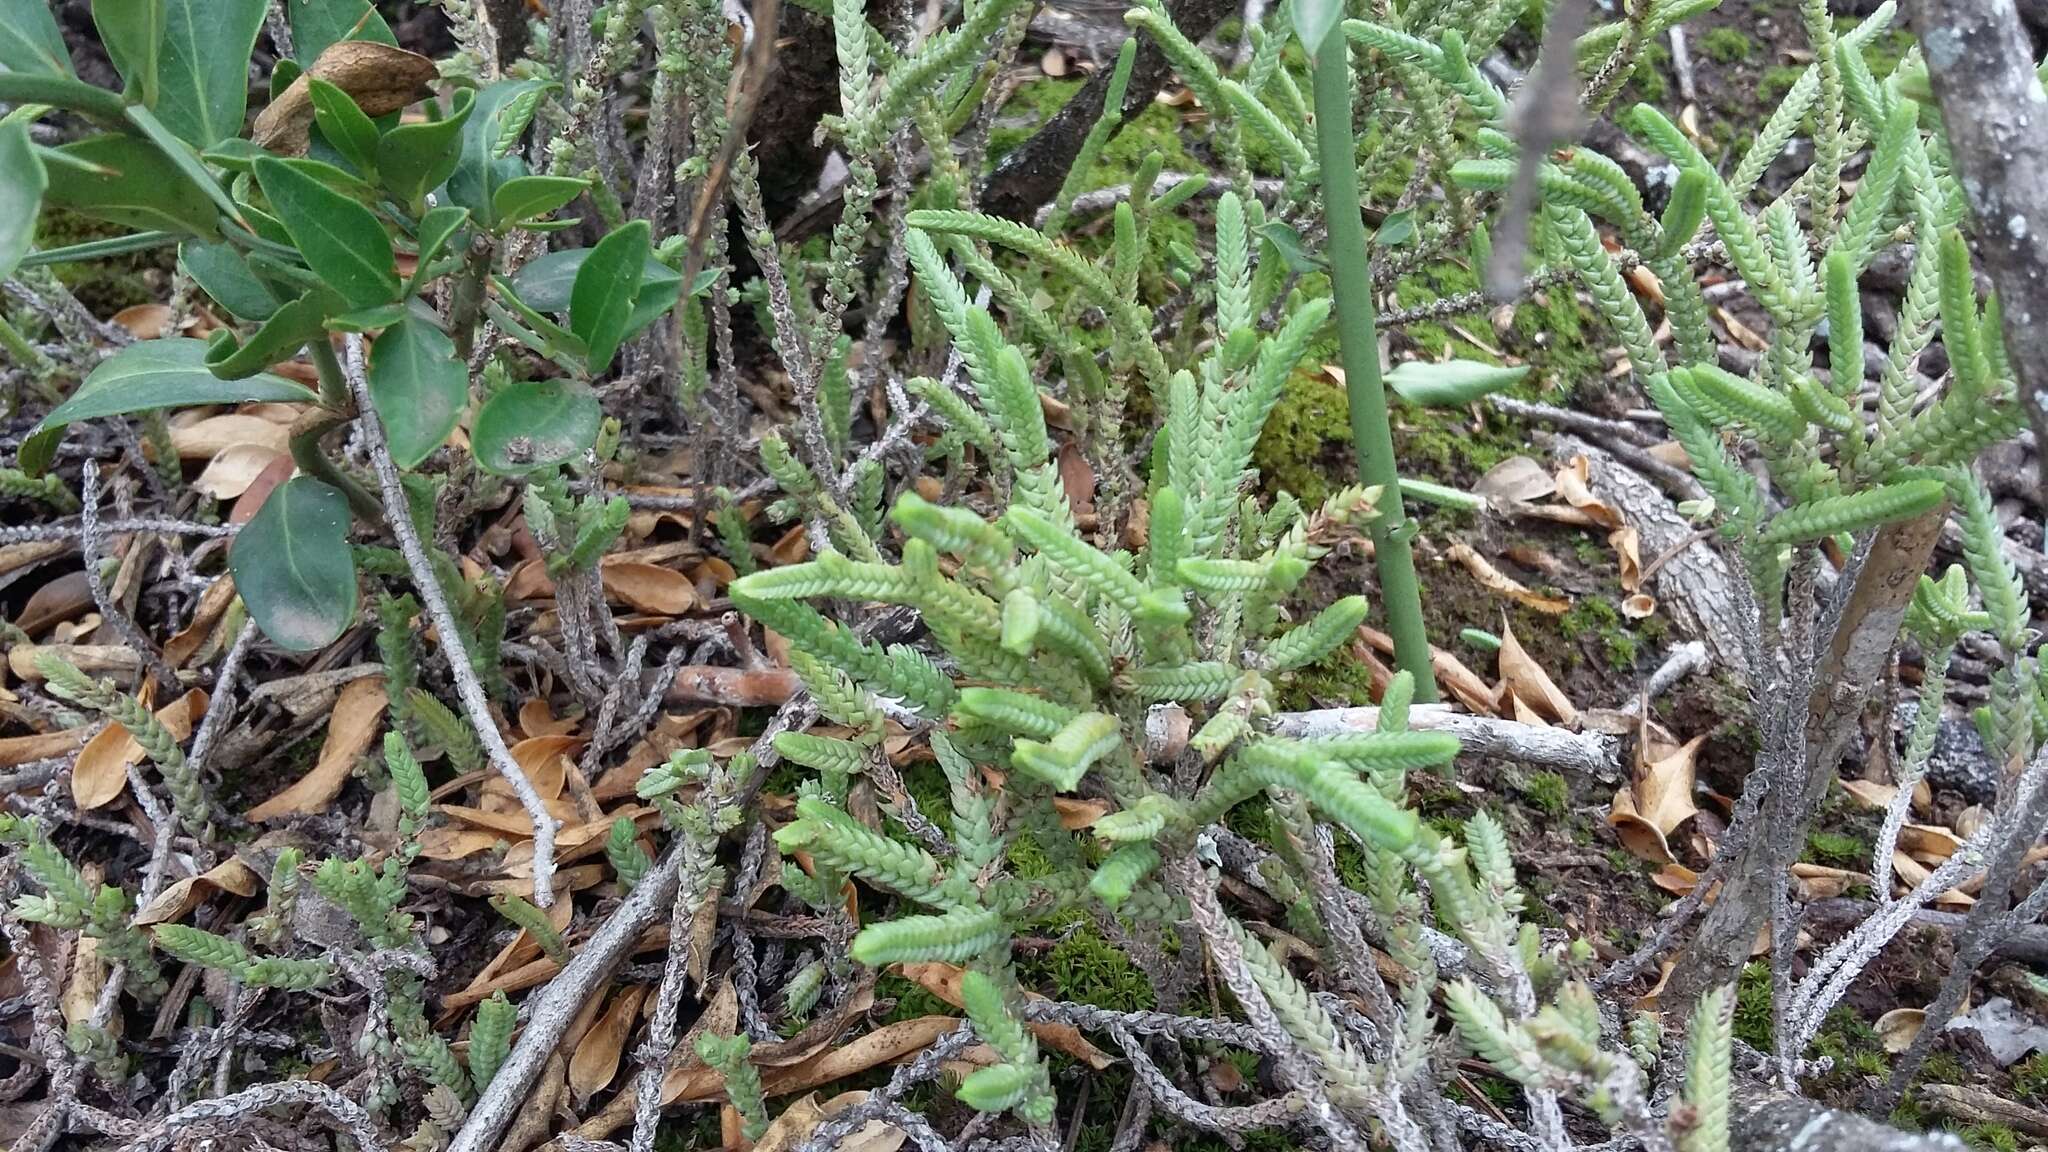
[(61, 92), (99, 249), (335, 399), (1351, 283)]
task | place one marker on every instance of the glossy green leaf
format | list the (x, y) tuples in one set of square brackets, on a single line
[(344, 125), (531, 197), (184, 158), (318, 25), (482, 165), (287, 330), (282, 76), (133, 184), (437, 228), (30, 40), (22, 181), (419, 386), (545, 284), (1287, 245), (143, 377), (414, 159), (1397, 229), (1449, 383), (132, 31), (293, 567), (368, 319), (1313, 20), (204, 73), (224, 273), (235, 155), (607, 288), (534, 424), (341, 240)]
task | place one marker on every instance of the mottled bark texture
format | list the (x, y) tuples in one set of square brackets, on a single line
[(1030, 174), (1767, 1121), (1980, 62), (1849, 675)]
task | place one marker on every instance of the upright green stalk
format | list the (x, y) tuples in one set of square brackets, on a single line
[(1351, 281), (334, 407)]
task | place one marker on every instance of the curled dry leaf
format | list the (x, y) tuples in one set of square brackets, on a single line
[(597, 1055), (1656, 800), (18, 750), (649, 588), (1898, 1028), (380, 78), (213, 604), (1527, 682), (233, 469), (699, 1084), (91, 659), (1574, 483), (1638, 606), (358, 713), (205, 439), (145, 321), (101, 773), (66, 598), (536, 718), (1517, 478), (943, 981), (1495, 580), (1928, 843), (178, 900), (794, 1127), (1870, 793), (1819, 882), (1627, 545)]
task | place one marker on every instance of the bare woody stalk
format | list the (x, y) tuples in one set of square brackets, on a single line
[(471, 693), (1980, 64), (1351, 284)]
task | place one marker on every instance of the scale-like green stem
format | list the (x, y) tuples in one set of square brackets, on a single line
[(1351, 283)]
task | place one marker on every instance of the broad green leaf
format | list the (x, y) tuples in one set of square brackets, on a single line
[(318, 25), (414, 159), (184, 158), (344, 125), (146, 376), (132, 31), (280, 338), (534, 424), (368, 319), (204, 74), (544, 285), (224, 273), (606, 290), (293, 568), (531, 197), (482, 165), (235, 155), (1313, 20), (1397, 229), (30, 40), (22, 181), (1449, 383), (130, 183), (419, 386), (1287, 245), (437, 228), (281, 77), (340, 240)]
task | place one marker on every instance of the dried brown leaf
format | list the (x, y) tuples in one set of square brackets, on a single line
[(1528, 684), (380, 78), (177, 900), (649, 588), (943, 981), (358, 713), (101, 773), (597, 1055), (1494, 580)]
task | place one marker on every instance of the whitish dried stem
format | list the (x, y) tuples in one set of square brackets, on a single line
[(398, 513), (1592, 753)]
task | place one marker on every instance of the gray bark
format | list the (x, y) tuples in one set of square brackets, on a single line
[(1980, 63), (1766, 1121)]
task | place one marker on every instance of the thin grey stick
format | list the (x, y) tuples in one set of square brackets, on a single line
[(399, 514)]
